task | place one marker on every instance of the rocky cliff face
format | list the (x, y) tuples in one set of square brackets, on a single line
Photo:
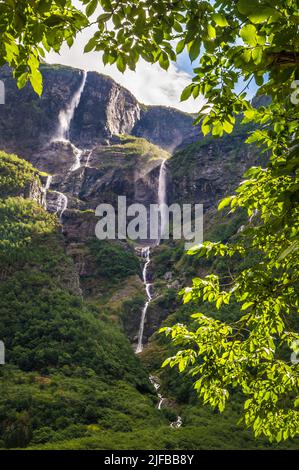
[(166, 127), (207, 170), (105, 109), (28, 122)]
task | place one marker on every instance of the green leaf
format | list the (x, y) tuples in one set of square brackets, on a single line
[(180, 46), (120, 63), (194, 50), (187, 92), (225, 202), (164, 61), (220, 20), (91, 7), (249, 34), (228, 127), (211, 31), (259, 15), (36, 81), (246, 7), (22, 80), (247, 305), (90, 45)]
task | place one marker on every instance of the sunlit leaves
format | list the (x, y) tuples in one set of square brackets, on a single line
[(249, 34), (220, 19)]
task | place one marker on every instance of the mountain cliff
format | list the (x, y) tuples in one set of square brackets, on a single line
[(105, 109)]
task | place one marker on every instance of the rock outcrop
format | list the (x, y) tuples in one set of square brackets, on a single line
[(166, 127), (206, 171), (105, 109)]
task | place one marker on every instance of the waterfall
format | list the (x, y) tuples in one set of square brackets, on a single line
[(62, 203), (145, 253), (46, 189), (156, 384), (162, 199), (63, 134), (66, 115), (177, 424), (78, 155), (88, 158), (154, 381)]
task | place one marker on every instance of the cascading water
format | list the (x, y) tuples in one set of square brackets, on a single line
[(162, 199), (145, 253), (88, 158), (62, 135), (46, 189), (66, 115), (155, 383), (62, 203)]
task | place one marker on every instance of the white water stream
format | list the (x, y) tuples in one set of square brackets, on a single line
[(62, 203), (62, 135), (162, 199), (145, 253), (66, 115)]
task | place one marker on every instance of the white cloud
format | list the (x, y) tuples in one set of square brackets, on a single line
[(150, 84)]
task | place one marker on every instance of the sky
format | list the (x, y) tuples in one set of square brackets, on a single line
[(150, 84)]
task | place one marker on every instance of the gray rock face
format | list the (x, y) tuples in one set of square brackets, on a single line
[(206, 171), (33, 191), (54, 158), (166, 127), (28, 122), (105, 109)]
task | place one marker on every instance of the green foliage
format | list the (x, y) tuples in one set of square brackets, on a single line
[(22, 221), (15, 174), (67, 404), (65, 369), (113, 260), (246, 354), (29, 29)]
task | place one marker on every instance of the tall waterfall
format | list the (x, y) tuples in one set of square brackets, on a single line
[(66, 115), (62, 135), (162, 199), (145, 253)]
